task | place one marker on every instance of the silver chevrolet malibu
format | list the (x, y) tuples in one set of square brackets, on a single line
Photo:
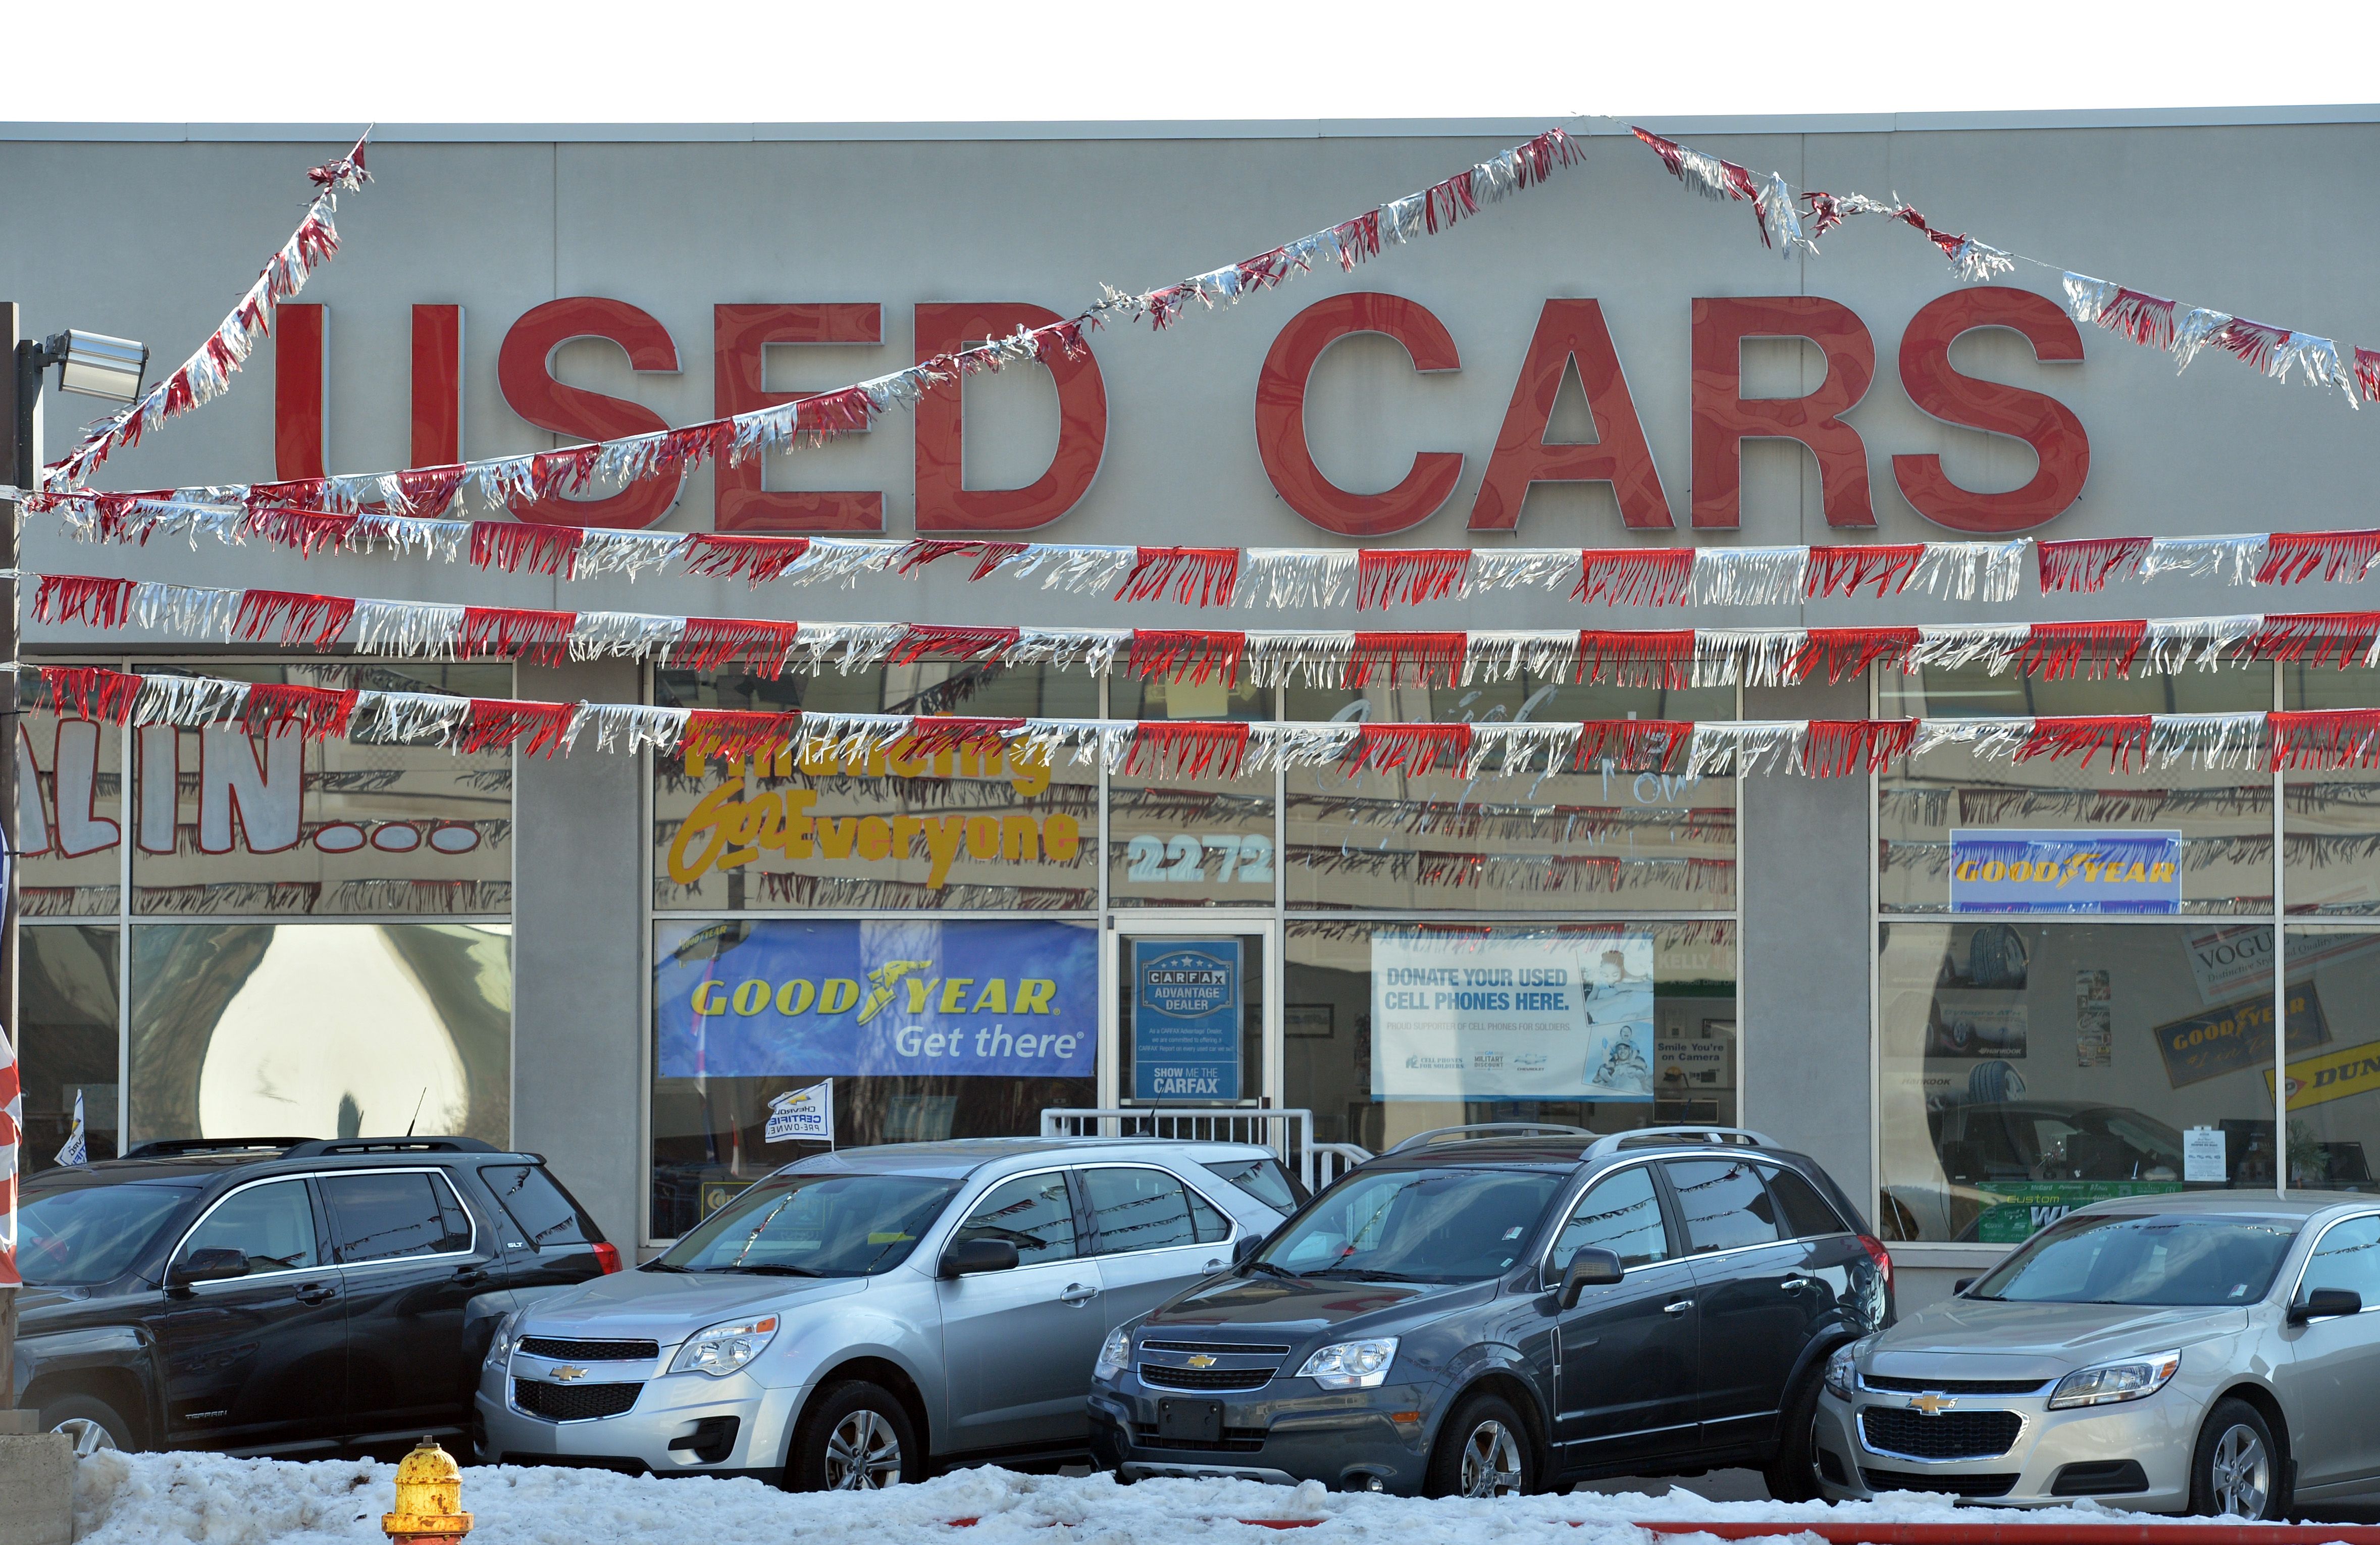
[(2213, 1352), (861, 1318)]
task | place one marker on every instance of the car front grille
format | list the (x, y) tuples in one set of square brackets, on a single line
[(590, 1351), (573, 1402), (1951, 1435), (1958, 1486), (1954, 1386), (1166, 1378), (1217, 1348), (1235, 1439)]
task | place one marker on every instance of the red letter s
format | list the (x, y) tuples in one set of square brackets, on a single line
[(2045, 423), (524, 374)]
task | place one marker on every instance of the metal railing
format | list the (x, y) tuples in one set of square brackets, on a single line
[(1287, 1133)]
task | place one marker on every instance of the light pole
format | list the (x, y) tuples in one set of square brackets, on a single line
[(94, 365)]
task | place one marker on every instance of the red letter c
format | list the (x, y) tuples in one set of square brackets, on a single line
[(1280, 416)]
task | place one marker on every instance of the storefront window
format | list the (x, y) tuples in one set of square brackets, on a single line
[(2333, 1082), (66, 994), (320, 1029), (2330, 819), (1396, 1028), (2214, 826), (1177, 837), (2153, 1071), (70, 810), (927, 1027), (975, 828), (1605, 840), (275, 825)]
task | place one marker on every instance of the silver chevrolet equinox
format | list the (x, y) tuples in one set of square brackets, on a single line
[(860, 1317)]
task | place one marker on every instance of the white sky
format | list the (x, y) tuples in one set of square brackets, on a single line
[(744, 61)]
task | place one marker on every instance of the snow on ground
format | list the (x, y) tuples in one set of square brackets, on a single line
[(207, 1498)]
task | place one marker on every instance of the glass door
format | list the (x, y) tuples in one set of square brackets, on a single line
[(1191, 1014)]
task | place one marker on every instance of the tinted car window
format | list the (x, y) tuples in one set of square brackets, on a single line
[(546, 1216), (1263, 1179), (2348, 1257), (385, 1215), (818, 1226), (1436, 1225), (1147, 1210), (91, 1234), (1619, 1213), (1031, 1212), (1724, 1204), (1805, 1213), (272, 1225)]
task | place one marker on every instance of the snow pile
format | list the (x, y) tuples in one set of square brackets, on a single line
[(207, 1498)]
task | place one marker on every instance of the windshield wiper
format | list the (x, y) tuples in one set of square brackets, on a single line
[(1271, 1270), (1366, 1275), (657, 1264), (770, 1270)]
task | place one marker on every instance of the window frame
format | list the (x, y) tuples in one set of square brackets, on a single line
[(1692, 1254), (2297, 1283), (1672, 1230), (963, 1211)]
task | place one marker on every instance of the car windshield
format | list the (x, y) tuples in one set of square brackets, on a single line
[(815, 1225), (91, 1234), (2144, 1257), (1435, 1225)]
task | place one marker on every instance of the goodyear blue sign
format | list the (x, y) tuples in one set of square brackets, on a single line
[(886, 998), (2065, 872), (1185, 1020)]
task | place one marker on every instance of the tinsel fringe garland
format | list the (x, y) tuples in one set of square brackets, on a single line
[(1670, 658), (207, 373), (2324, 739)]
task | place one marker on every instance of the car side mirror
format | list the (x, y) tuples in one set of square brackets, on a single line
[(2326, 1303), (1589, 1268), (1246, 1247), (967, 1257), (1962, 1284), (207, 1266)]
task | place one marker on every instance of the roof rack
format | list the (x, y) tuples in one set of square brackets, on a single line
[(1715, 1136), (1482, 1128), (327, 1148), (183, 1148)]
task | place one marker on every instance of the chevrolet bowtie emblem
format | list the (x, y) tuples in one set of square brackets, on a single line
[(1202, 1360), (566, 1373), (1931, 1404)]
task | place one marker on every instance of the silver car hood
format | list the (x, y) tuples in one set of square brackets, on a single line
[(667, 1306), (1976, 1338)]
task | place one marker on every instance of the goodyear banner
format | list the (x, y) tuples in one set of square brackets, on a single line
[(864, 997), (2239, 1036), (2065, 872)]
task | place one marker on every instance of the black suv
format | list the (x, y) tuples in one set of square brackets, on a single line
[(281, 1295), (1474, 1315)]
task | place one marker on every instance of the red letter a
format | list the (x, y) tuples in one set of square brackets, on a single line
[(1569, 330)]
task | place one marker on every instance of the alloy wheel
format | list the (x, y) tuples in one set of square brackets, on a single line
[(1491, 1462), (862, 1454), (2242, 1473), (89, 1437)]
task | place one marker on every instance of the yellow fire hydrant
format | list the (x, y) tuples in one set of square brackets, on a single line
[(429, 1499)]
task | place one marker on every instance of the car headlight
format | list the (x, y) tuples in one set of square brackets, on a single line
[(1116, 1354), (500, 1345), (1843, 1370), (720, 1350), (2111, 1383), (1352, 1365)]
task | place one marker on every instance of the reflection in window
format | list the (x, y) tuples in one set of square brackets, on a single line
[(1602, 839), (2333, 1082), (69, 809), (2330, 819), (1396, 1028), (2224, 816), (975, 828), (1031, 1212), (1176, 838), (66, 1048), (271, 1225), (1622, 1215), (277, 825), (2030, 1067), (321, 1031)]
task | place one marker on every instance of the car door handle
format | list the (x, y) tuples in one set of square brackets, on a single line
[(1794, 1284), (316, 1292), (1077, 1295), (1678, 1306), (471, 1275)]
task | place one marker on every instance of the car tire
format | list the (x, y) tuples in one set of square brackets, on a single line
[(1483, 1451), (2237, 1467), (1792, 1475), (92, 1423), (855, 1437)]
